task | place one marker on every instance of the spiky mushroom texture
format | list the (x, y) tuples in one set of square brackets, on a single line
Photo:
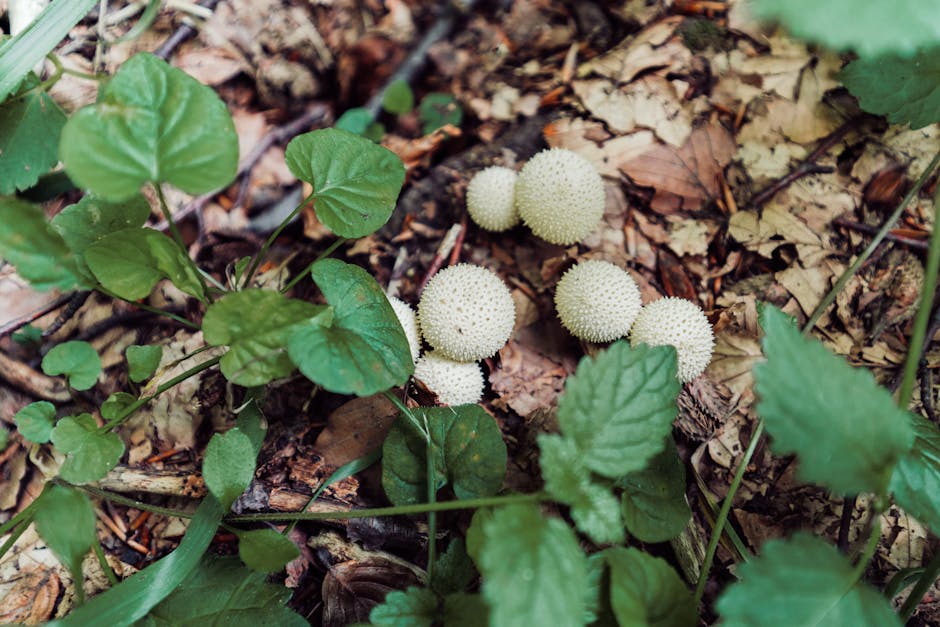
[(680, 323), (491, 199), (466, 313), (454, 382), (409, 323), (560, 196), (597, 301)]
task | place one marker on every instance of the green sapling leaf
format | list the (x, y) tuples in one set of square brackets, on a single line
[(116, 404), (142, 361), (90, 454), (265, 550), (228, 466), (907, 90), (35, 421), (534, 572), (468, 453), (65, 520), (437, 110), (653, 502), (78, 361), (802, 581), (646, 591), (355, 182), (414, 607), (40, 255), (130, 262), (916, 479), (848, 442), (594, 509), (363, 349), (619, 406), (256, 324), (29, 137), (152, 123), (398, 98), (869, 28)]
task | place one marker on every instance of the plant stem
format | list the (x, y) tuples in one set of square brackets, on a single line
[(178, 237), (26, 514), (13, 538), (123, 500), (146, 307), (409, 415), (398, 510), (103, 562), (870, 546), (160, 390), (875, 242), (326, 253), (930, 574), (918, 336), (432, 515), (268, 242), (724, 511)]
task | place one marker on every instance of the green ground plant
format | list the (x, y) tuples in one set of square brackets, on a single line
[(612, 468)]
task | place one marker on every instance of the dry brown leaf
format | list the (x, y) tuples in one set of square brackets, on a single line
[(690, 237), (653, 47), (688, 178), (355, 429), (775, 226), (591, 141), (526, 379), (210, 66)]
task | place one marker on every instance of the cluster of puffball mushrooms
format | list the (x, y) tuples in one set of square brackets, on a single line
[(466, 312)]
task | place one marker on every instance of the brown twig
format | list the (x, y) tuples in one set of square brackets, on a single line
[(75, 303), (871, 230), (845, 525), (442, 253), (17, 324), (181, 34)]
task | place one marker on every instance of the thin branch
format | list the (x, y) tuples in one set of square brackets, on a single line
[(17, 324), (181, 34)]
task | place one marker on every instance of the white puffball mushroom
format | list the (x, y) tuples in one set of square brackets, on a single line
[(466, 312), (597, 301), (409, 323), (491, 199), (454, 382), (560, 196), (680, 323)]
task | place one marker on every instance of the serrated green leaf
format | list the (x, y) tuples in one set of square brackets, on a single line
[(35, 421), (363, 349), (220, 591), (414, 607), (135, 596), (437, 110), (849, 443), (594, 508), (65, 521), (654, 505), (142, 361), (116, 404), (905, 90), (130, 262), (255, 324), (228, 466), (468, 453), (475, 537), (534, 572), (84, 223), (29, 139), (152, 123), (77, 360), (802, 582), (90, 454), (265, 550), (355, 182), (398, 98), (619, 406), (869, 28), (916, 479), (465, 610), (645, 591), (39, 253), (453, 570)]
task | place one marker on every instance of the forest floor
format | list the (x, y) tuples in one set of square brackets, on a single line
[(737, 170)]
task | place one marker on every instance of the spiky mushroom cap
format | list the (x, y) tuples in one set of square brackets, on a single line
[(491, 199), (560, 196), (466, 313), (680, 323), (409, 323), (597, 301), (454, 382)]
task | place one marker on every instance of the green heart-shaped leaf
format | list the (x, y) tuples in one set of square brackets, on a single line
[(645, 590), (229, 466), (30, 125), (363, 349), (265, 550), (355, 182), (90, 454), (142, 361), (654, 505), (65, 520), (77, 360), (35, 421), (152, 123)]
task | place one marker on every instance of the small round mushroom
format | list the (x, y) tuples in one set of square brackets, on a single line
[(680, 323), (491, 199), (466, 313), (597, 301), (454, 382), (560, 196), (409, 323)]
